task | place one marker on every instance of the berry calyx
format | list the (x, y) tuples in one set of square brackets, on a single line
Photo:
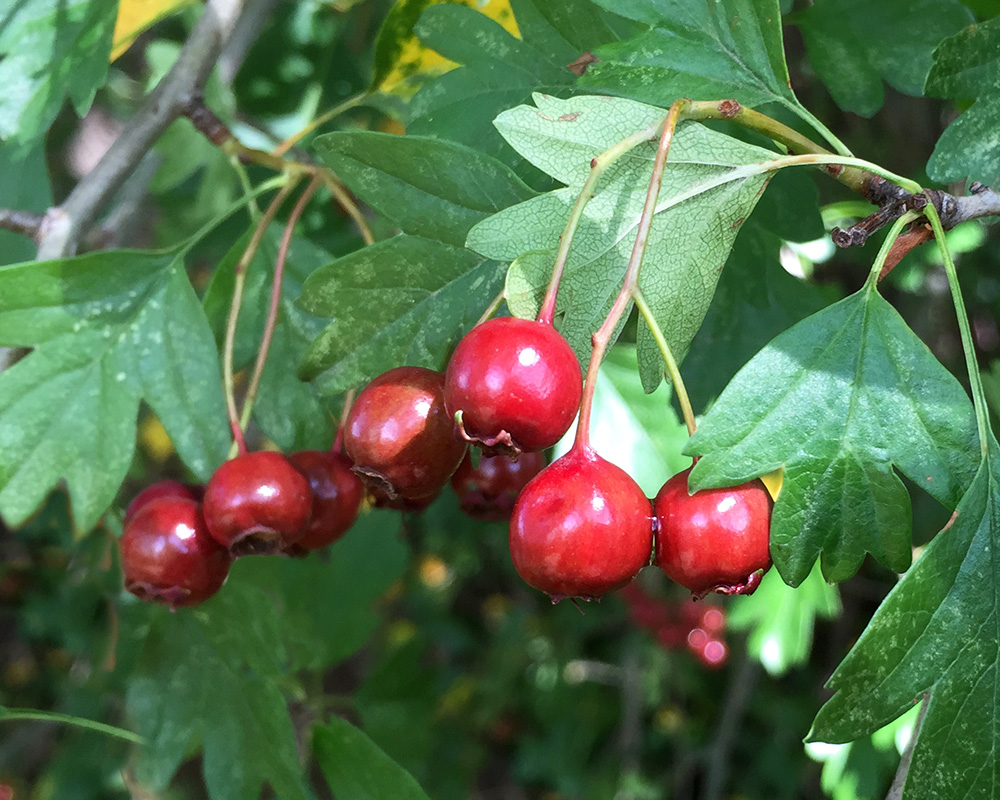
[(168, 488), (168, 555), (488, 492), (399, 435), (516, 384), (257, 504), (716, 540), (379, 499), (336, 493), (581, 528)]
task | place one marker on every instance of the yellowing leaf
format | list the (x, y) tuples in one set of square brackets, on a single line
[(402, 62), (135, 16), (772, 482)]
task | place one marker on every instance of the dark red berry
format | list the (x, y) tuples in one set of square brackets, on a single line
[(716, 540), (162, 489), (488, 492), (336, 493), (399, 435), (517, 384), (581, 528), (168, 555), (257, 503), (380, 499)]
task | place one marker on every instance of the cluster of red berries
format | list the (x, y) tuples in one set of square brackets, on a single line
[(698, 628), (580, 527)]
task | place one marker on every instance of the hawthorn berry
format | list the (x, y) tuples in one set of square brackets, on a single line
[(379, 499), (581, 528), (488, 492), (716, 540), (336, 493), (168, 488), (257, 504), (168, 555), (399, 435), (517, 384)]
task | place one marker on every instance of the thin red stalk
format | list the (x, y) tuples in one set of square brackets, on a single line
[(338, 441), (239, 440), (602, 336), (272, 311)]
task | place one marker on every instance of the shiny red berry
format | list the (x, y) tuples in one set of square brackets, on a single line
[(716, 540), (581, 528), (257, 503), (336, 492), (517, 384), (167, 488), (488, 492), (168, 555), (399, 435)]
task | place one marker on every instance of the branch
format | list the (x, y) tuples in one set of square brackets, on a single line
[(64, 226), (26, 223)]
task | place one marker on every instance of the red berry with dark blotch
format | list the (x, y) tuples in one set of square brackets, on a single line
[(517, 384), (488, 492), (336, 493), (168, 555), (716, 540), (168, 488), (581, 528), (399, 435), (257, 504)]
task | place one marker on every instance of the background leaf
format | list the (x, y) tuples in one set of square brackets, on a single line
[(836, 401), (935, 633), (405, 300), (51, 50), (967, 67), (855, 45), (354, 766), (108, 329), (702, 190)]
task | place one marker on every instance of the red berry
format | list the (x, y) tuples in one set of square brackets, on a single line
[(257, 503), (336, 492), (716, 540), (162, 489), (517, 384), (581, 528), (399, 435), (168, 555), (380, 499), (488, 492)]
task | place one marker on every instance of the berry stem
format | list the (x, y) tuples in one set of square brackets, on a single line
[(975, 379), (346, 105), (602, 336), (491, 309), (338, 440), (875, 274), (673, 370), (276, 286), (239, 441), (597, 166)]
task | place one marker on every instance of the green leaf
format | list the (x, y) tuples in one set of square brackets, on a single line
[(781, 619), (405, 300), (51, 50), (731, 48), (500, 70), (967, 66), (109, 329), (755, 301), (288, 410), (345, 580), (935, 633), (836, 401), (427, 187), (854, 45), (355, 767), (704, 198), (210, 677)]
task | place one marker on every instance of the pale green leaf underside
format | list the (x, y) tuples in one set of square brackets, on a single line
[(837, 401), (704, 198)]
